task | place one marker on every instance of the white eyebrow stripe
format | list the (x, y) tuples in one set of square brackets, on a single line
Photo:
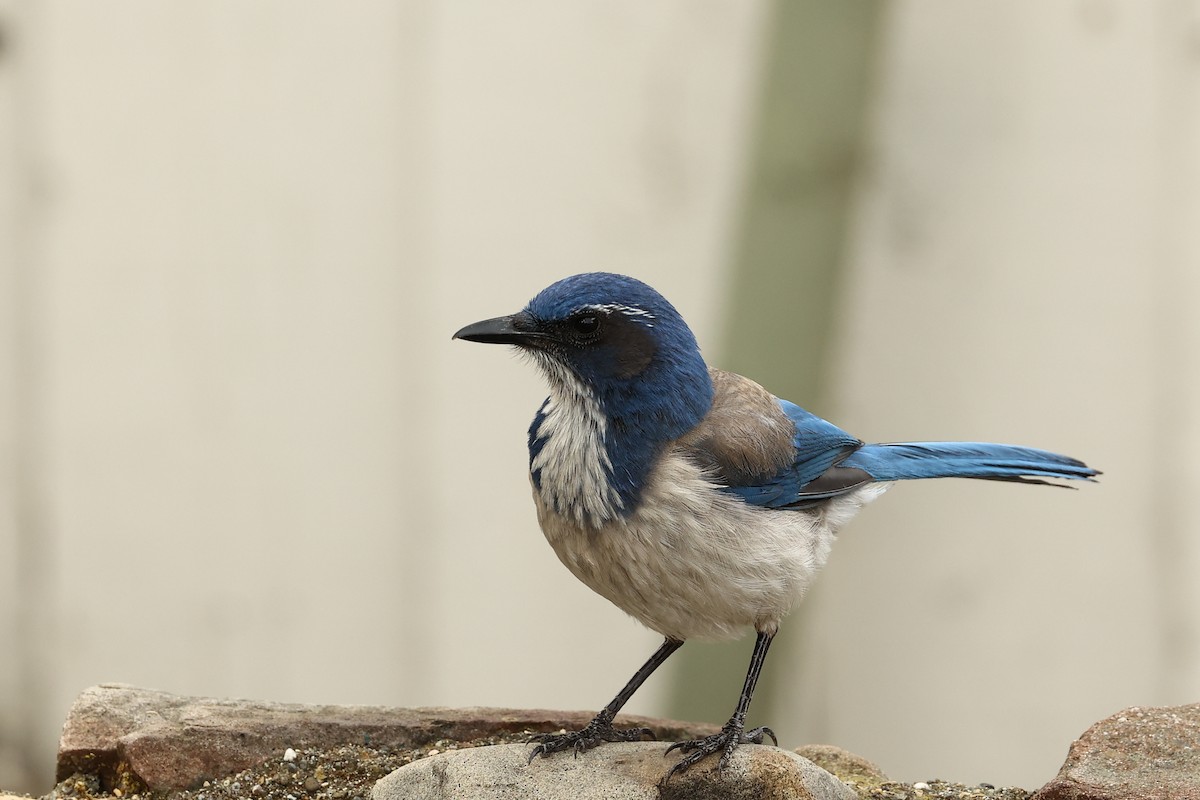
[(629, 311)]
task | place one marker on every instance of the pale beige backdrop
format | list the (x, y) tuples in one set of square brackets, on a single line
[(241, 455), (1026, 268)]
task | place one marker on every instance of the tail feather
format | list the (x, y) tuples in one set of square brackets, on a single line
[(912, 460)]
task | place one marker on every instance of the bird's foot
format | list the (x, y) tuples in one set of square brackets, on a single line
[(596, 732), (728, 740)]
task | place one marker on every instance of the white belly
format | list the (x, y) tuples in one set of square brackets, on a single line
[(692, 562)]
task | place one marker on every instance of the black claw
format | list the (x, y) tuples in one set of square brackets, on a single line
[(757, 735), (725, 742), (596, 732), (684, 746)]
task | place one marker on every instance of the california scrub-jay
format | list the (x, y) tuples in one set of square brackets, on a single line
[(692, 498)]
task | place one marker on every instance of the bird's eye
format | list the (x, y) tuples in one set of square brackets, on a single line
[(586, 325)]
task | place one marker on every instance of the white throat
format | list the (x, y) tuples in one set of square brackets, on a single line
[(573, 462)]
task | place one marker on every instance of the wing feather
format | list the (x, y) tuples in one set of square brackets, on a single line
[(768, 451)]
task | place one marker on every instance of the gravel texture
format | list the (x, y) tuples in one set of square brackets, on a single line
[(350, 772)]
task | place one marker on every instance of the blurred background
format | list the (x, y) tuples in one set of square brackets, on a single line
[(241, 456)]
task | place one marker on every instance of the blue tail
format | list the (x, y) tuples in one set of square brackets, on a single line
[(912, 460)]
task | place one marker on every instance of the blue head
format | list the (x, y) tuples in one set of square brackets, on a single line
[(615, 343)]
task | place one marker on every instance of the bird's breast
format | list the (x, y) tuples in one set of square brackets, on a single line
[(569, 463), (690, 560)]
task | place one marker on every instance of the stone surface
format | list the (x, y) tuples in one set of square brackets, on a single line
[(1138, 754), (621, 771), (842, 763), (130, 737)]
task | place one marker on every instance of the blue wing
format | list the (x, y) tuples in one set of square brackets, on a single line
[(819, 447), (773, 453), (829, 462)]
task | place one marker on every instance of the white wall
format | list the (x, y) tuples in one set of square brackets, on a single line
[(1025, 270), (253, 463), (11, 668)]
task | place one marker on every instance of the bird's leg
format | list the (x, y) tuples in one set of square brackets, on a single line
[(734, 732), (601, 728)]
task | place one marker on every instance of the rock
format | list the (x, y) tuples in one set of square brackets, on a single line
[(845, 765), (620, 771), (1138, 754), (131, 738)]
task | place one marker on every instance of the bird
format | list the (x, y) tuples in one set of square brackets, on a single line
[(690, 497)]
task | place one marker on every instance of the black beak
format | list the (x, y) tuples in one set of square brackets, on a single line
[(515, 329)]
